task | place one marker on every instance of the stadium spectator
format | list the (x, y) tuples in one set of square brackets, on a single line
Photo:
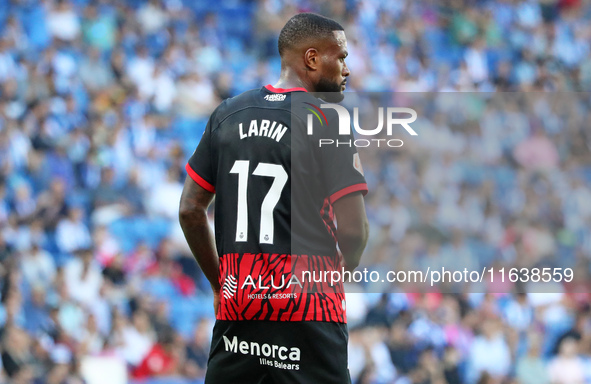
[(530, 368), (83, 278), (567, 367), (161, 360), (489, 353), (72, 234)]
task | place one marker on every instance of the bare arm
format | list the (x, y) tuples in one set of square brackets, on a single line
[(352, 228), (193, 218)]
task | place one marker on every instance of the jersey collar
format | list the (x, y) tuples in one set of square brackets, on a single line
[(271, 88)]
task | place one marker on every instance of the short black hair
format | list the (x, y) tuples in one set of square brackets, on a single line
[(304, 26)]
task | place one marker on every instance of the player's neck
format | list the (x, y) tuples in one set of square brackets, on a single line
[(289, 79)]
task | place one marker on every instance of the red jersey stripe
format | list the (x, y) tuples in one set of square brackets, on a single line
[(350, 189), (199, 180)]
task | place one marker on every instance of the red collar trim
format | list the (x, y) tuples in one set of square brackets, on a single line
[(283, 90)]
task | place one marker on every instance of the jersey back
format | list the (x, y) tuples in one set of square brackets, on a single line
[(273, 207)]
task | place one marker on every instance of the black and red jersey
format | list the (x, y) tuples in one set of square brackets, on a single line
[(274, 189)]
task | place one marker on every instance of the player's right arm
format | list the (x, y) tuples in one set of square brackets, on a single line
[(345, 186), (193, 219), (352, 228)]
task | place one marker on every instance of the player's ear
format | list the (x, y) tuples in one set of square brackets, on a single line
[(312, 59)]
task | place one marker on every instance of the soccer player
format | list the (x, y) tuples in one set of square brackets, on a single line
[(277, 195)]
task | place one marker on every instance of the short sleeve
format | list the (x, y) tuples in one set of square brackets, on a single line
[(201, 166), (341, 166)]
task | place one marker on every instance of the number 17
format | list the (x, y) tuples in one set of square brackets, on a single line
[(277, 172)]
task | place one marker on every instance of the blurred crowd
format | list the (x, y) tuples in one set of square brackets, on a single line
[(102, 102), (468, 193)]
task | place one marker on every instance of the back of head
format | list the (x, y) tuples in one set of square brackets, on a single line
[(303, 28)]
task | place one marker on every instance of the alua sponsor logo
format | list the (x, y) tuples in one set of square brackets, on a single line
[(229, 286), (281, 283)]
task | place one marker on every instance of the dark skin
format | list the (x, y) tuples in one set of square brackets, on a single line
[(193, 218), (318, 66)]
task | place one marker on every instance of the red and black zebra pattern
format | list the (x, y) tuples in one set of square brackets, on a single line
[(275, 287)]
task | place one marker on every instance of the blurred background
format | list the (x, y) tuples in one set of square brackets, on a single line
[(102, 102)]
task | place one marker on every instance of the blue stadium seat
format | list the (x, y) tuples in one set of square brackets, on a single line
[(159, 288), (237, 19)]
